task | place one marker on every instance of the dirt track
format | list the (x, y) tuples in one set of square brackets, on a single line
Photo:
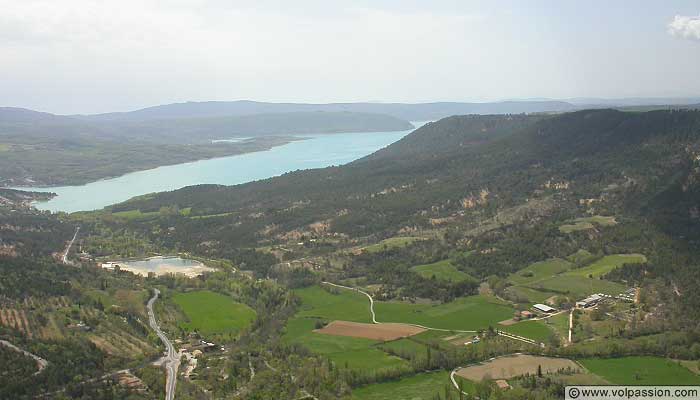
[(370, 331)]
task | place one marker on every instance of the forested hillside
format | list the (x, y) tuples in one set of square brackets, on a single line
[(45, 149), (640, 157), (474, 174)]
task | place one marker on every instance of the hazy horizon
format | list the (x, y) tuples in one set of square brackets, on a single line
[(80, 57)]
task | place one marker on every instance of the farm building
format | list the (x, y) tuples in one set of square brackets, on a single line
[(526, 314), (590, 300), (543, 308)]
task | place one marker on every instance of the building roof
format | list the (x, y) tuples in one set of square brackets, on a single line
[(592, 298), (544, 307), (502, 384)]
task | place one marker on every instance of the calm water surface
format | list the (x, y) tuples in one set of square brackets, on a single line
[(315, 152)]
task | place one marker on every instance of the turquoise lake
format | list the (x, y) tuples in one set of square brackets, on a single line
[(316, 151)]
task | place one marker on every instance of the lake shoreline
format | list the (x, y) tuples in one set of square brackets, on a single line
[(304, 152), (29, 187)]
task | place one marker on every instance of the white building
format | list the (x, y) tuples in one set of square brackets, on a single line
[(590, 300), (544, 308)]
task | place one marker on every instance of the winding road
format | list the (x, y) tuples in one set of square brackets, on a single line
[(172, 358), (374, 319), (454, 371), (40, 362)]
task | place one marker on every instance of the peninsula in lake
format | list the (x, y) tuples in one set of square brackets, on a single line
[(42, 149)]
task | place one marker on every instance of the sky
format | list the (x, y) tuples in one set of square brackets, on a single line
[(90, 56)]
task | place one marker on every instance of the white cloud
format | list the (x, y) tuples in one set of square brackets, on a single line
[(685, 27)]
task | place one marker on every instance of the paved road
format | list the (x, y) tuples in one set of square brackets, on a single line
[(172, 358), (65, 254)]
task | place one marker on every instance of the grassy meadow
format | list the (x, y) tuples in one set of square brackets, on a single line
[(641, 371), (213, 313), (390, 243), (465, 313), (607, 264), (441, 270), (424, 386), (539, 271), (345, 305)]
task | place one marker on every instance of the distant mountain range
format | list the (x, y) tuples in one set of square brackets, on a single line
[(192, 128), (409, 112)]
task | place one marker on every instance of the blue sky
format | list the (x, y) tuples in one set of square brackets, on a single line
[(82, 56)]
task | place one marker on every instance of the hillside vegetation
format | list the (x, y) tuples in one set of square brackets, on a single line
[(46, 149)]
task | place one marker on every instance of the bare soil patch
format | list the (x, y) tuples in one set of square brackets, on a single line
[(370, 331), (509, 367)]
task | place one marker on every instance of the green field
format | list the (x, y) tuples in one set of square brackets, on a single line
[(599, 220), (579, 286), (138, 215), (346, 305), (441, 270), (135, 214), (539, 271), (582, 224), (575, 227), (213, 313), (560, 324), (528, 295), (387, 244), (536, 330), (535, 284), (641, 371), (407, 348), (321, 305), (423, 386), (581, 257), (355, 353), (465, 313), (607, 264)]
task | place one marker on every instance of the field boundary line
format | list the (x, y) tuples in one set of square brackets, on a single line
[(374, 319)]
